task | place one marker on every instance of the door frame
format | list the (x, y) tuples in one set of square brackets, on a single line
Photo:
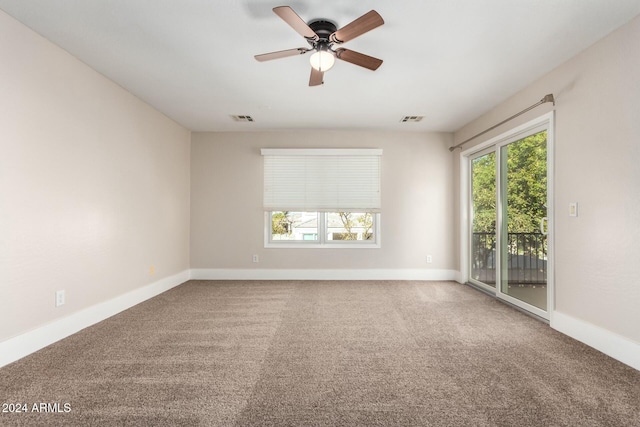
[(512, 135)]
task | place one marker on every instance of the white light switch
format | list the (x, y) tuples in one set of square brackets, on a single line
[(573, 209)]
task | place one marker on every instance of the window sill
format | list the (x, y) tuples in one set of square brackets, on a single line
[(301, 245)]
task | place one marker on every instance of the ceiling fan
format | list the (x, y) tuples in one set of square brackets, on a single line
[(322, 35)]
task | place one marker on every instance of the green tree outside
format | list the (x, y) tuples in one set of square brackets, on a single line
[(526, 183), (526, 177), (281, 223)]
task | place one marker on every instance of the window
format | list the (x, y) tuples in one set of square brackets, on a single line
[(350, 226), (322, 197), (294, 226), (325, 228)]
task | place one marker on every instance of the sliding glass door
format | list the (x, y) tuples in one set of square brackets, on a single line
[(523, 201), (483, 218), (508, 210)]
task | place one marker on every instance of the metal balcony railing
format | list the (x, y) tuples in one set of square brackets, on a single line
[(526, 262)]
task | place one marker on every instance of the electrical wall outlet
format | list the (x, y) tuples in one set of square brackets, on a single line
[(59, 298), (429, 259), (256, 258)]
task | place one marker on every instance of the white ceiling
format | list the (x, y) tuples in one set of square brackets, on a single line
[(448, 60)]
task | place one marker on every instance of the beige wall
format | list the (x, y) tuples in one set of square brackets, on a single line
[(597, 155), (227, 217), (94, 185)]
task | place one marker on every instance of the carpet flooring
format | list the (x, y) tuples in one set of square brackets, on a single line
[(320, 353)]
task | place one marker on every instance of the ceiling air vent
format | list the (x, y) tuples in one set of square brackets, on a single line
[(242, 118), (407, 119)]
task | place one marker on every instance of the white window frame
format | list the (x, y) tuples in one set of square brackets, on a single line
[(322, 242)]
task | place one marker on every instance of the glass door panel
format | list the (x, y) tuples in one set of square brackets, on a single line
[(523, 212), (483, 224)]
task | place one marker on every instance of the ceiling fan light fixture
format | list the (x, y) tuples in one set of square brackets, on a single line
[(322, 60), (322, 35)]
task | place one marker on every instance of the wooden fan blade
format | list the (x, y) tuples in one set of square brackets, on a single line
[(316, 77), (281, 54), (290, 17), (358, 58), (366, 22)]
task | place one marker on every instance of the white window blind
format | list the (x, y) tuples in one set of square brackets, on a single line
[(312, 180)]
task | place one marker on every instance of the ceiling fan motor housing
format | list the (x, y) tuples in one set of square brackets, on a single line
[(323, 28)]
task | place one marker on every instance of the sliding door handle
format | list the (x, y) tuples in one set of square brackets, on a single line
[(542, 228)]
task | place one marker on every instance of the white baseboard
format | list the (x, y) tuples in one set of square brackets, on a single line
[(459, 277), (32, 341), (611, 344), (321, 274)]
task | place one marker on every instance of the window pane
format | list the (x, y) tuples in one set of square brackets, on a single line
[(353, 226), (294, 226), (483, 228)]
